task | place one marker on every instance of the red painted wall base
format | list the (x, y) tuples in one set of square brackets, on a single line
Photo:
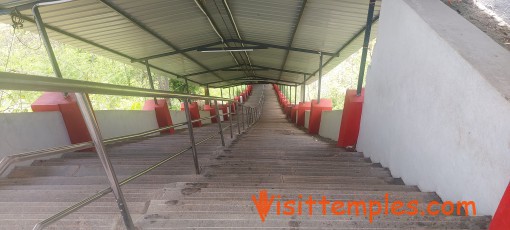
[(302, 107), (501, 219), (316, 113), (288, 110), (293, 113), (224, 108), (68, 107), (195, 114), (351, 118), (212, 112), (162, 113)]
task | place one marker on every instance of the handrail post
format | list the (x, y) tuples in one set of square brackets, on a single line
[(218, 118), (44, 36), (95, 134), (191, 136), (151, 81), (366, 42), (251, 116), (230, 120), (237, 119), (242, 115)]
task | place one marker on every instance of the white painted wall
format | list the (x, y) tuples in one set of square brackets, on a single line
[(23, 132), (435, 111), (114, 123), (330, 124), (307, 118), (204, 114), (178, 117), (221, 115)]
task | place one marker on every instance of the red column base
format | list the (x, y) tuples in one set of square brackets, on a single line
[(501, 219), (288, 110), (316, 113), (212, 112), (224, 108), (351, 118), (195, 114), (293, 113), (162, 113), (68, 107), (303, 106)]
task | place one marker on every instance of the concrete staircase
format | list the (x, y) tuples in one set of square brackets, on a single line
[(272, 155)]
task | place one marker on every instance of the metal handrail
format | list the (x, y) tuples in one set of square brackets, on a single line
[(15, 81), (7, 161), (108, 190)]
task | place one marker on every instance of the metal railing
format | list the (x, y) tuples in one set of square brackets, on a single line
[(12, 81)]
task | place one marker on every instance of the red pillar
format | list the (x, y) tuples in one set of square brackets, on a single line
[(162, 113), (195, 114), (224, 108), (351, 118), (293, 113), (303, 106), (68, 107), (212, 112), (501, 219), (316, 113)]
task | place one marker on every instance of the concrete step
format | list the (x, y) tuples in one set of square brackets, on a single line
[(97, 170), (164, 179), (73, 221), (209, 221), (295, 186), (248, 207), (97, 207), (246, 193)]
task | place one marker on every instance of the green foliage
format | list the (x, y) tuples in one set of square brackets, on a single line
[(337, 81), (23, 52)]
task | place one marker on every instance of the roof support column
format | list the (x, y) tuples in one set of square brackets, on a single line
[(151, 81), (44, 36), (320, 79), (186, 85), (295, 94), (207, 102), (303, 88), (368, 29)]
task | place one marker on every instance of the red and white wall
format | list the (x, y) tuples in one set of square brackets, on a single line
[(437, 104)]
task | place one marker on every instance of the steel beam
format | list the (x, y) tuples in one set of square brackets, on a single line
[(63, 32), (44, 36), (230, 49), (151, 81), (153, 33), (376, 18), (284, 70), (215, 27), (320, 81), (280, 47), (231, 17), (293, 34), (190, 49), (368, 29), (175, 52), (208, 71), (303, 89)]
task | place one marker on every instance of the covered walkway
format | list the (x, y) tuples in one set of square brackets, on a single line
[(272, 155)]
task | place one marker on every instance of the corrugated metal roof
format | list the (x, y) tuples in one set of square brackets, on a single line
[(132, 30)]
